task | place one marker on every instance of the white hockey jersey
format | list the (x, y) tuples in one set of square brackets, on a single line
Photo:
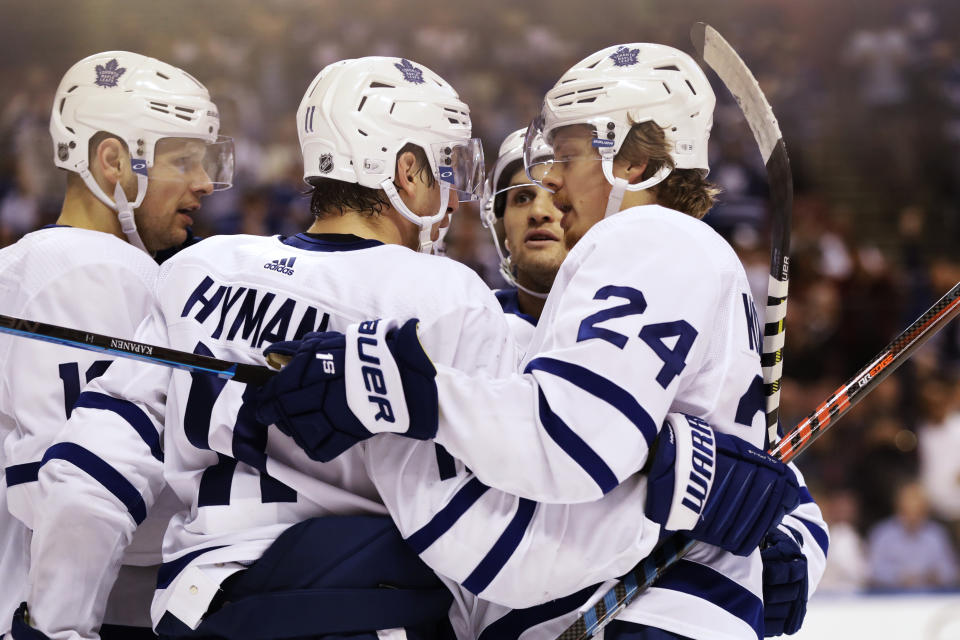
[(245, 483), (92, 281), (806, 521), (650, 313)]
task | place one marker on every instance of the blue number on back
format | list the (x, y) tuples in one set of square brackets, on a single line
[(70, 376)]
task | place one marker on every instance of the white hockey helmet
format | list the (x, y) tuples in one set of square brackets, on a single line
[(627, 84), (510, 154), (357, 114), (140, 100)]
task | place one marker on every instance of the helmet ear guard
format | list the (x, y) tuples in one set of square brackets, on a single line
[(357, 115)]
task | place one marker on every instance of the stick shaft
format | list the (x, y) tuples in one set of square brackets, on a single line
[(134, 350)]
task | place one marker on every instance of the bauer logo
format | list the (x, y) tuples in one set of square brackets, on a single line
[(624, 57), (108, 75), (410, 73), (601, 142), (282, 265), (326, 163)]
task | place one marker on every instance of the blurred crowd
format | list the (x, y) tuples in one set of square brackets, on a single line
[(867, 95)]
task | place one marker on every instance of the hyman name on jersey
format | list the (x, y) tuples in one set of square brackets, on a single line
[(253, 316)]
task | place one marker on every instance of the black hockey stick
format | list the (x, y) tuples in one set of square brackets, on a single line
[(673, 548), (722, 58), (135, 350)]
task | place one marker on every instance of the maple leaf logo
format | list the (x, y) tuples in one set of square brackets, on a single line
[(108, 75), (624, 57), (410, 72)]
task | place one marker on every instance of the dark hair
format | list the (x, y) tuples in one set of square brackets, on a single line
[(685, 190), (329, 196)]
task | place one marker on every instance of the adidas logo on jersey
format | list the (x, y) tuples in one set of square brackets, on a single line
[(283, 265)]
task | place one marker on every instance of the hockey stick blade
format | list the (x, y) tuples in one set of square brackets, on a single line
[(737, 77), (673, 548), (134, 350)]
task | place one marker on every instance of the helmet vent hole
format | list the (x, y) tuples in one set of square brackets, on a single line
[(362, 132), (70, 129), (666, 88), (62, 101), (185, 109), (564, 95), (669, 67), (363, 101), (381, 85), (392, 107), (72, 88), (163, 76), (590, 99), (183, 117), (593, 65), (692, 90), (453, 121), (160, 110)]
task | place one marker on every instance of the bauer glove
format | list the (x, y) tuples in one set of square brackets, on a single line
[(784, 582), (339, 389), (716, 487)]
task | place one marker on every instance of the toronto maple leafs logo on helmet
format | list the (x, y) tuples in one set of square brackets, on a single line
[(108, 75), (624, 57), (410, 72)]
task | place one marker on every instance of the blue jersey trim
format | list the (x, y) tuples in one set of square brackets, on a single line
[(509, 301), (708, 584), (205, 388), (421, 539), (329, 242), (22, 473), (574, 446), (500, 553), (102, 472), (216, 482), (805, 497), (170, 570), (602, 388), (131, 414), (512, 625), (446, 465), (823, 540), (56, 226)]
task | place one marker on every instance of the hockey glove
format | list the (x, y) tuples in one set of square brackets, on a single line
[(784, 582), (716, 487), (338, 389)]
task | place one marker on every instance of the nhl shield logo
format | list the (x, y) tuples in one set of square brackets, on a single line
[(108, 75), (326, 163), (410, 73), (624, 57)]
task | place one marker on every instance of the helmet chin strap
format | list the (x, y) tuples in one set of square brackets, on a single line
[(621, 186), (424, 222), (120, 204)]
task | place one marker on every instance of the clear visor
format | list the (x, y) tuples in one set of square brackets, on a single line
[(558, 151), (460, 164), (203, 165)]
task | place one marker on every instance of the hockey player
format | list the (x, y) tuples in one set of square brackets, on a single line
[(650, 313), (791, 562), (526, 232), (139, 140)]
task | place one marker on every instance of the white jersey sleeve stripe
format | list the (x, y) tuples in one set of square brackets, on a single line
[(493, 562), (94, 466), (131, 413), (429, 533)]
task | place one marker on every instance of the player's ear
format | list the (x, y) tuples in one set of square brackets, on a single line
[(634, 172), (110, 161), (407, 169)]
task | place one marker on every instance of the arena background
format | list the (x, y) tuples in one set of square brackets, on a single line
[(868, 97)]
